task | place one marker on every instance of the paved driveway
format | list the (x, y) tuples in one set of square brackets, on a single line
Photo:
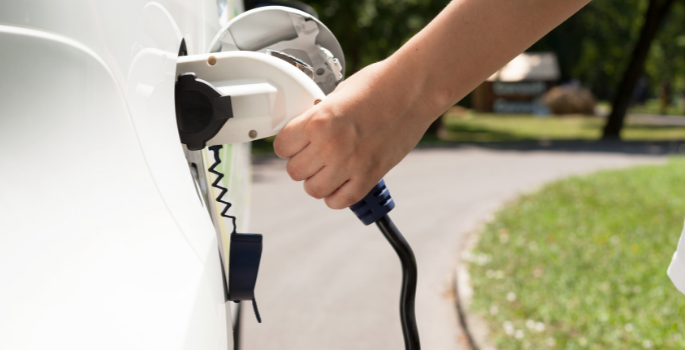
[(328, 282)]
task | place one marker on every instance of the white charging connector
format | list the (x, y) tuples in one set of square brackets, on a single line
[(239, 96), (267, 66)]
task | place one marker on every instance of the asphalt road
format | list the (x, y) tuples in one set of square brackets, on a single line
[(328, 282)]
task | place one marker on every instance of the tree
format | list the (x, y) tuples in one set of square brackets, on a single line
[(371, 30), (666, 61), (654, 16), (592, 44)]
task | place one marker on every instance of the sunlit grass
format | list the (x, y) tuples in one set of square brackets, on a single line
[(473, 127), (485, 128), (653, 106), (581, 264)]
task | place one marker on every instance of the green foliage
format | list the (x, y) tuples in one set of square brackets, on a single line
[(666, 59), (595, 44), (582, 264), (371, 30)]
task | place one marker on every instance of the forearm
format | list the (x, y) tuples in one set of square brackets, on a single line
[(468, 42), (342, 146)]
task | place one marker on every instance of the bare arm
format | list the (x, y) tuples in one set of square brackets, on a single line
[(343, 146)]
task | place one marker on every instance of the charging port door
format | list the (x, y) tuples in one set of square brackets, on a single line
[(290, 32)]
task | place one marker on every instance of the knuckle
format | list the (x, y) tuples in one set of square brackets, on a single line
[(313, 190), (332, 204), (293, 171), (316, 126), (320, 122), (348, 200), (342, 200)]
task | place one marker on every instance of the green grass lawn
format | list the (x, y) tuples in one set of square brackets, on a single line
[(652, 106), (581, 264), (472, 127)]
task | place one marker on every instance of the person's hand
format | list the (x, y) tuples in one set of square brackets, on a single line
[(344, 145)]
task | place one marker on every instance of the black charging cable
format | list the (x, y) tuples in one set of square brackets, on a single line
[(217, 184), (245, 249), (375, 208)]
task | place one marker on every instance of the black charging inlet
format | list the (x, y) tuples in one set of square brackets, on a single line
[(201, 110)]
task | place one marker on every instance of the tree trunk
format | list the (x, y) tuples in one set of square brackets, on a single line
[(656, 13), (665, 97)]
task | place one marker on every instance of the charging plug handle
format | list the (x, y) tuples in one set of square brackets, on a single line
[(375, 205)]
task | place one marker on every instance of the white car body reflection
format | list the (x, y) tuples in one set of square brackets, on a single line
[(106, 238)]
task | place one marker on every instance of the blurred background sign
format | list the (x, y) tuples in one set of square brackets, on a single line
[(519, 86)]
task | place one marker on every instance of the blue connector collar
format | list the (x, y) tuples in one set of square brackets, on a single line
[(375, 205)]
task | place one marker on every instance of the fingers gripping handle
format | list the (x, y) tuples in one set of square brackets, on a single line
[(375, 205)]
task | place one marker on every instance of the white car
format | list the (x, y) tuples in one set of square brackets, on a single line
[(110, 235)]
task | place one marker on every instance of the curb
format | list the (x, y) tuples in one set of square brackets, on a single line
[(474, 327)]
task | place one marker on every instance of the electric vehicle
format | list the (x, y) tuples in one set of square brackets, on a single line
[(125, 178), (108, 232), (119, 227)]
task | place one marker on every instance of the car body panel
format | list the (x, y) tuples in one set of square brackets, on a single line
[(106, 240)]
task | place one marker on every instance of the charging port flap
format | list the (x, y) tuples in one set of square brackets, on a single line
[(245, 254)]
